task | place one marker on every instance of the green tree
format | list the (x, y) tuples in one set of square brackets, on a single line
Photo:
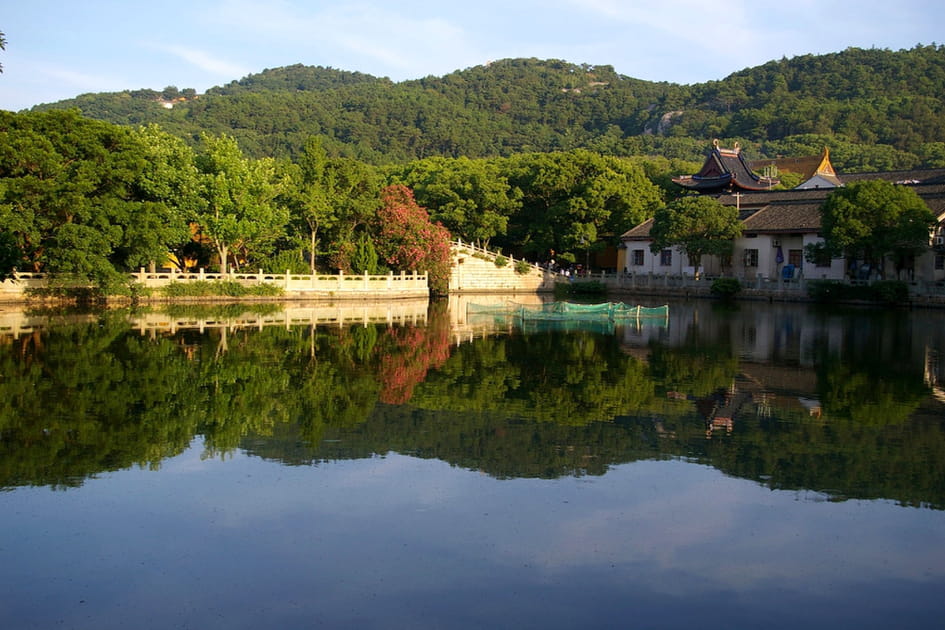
[(311, 196), (354, 188), (76, 195), (472, 198), (168, 189), (238, 213), (872, 219), (569, 197), (698, 225), (364, 259)]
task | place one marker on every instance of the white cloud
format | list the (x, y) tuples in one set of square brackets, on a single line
[(355, 36), (206, 61)]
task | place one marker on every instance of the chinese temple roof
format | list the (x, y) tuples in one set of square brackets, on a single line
[(725, 170)]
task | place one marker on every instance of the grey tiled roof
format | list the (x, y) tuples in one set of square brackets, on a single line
[(785, 217), (640, 232)]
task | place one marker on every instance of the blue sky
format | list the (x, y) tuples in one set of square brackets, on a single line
[(57, 49)]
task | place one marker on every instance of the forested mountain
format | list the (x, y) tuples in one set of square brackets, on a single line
[(876, 109)]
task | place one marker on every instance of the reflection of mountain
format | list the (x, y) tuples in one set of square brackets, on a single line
[(91, 397)]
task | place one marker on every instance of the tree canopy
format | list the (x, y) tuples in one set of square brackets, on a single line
[(78, 195), (409, 241), (472, 198), (698, 225), (568, 199), (873, 219), (237, 211)]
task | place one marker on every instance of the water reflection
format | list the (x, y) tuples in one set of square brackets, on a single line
[(847, 404)]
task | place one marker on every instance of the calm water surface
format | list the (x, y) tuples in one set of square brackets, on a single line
[(772, 466)]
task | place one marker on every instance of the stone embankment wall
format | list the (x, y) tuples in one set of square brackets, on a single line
[(474, 270), (295, 286)]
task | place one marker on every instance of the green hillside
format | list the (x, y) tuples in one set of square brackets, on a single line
[(876, 109)]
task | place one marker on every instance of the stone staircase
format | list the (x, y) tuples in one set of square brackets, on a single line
[(475, 270)]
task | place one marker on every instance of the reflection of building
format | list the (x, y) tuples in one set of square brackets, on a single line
[(779, 224), (934, 373), (719, 409)]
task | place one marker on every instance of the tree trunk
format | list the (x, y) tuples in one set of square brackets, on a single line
[(221, 250), (312, 256)]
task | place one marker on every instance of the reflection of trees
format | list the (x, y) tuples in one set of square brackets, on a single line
[(408, 353), (869, 393), (89, 399), (843, 460), (565, 378), (92, 398), (82, 399), (693, 370)]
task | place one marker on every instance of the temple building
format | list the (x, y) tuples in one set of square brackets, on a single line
[(778, 225), (726, 170)]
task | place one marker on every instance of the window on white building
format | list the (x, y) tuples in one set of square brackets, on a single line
[(638, 258), (666, 258), (751, 257)]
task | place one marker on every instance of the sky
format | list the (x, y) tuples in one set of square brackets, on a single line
[(58, 49)]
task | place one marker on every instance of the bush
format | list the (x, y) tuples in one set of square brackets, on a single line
[(522, 267), (500, 260), (365, 259), (222, 288), (828, 290), (884, 291), (593, 288), (292, 260), (890, 291), (726, 288)]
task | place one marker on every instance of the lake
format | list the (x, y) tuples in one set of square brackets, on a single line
[(749, 466)]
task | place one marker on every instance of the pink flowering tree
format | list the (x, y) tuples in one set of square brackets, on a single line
[(409, 241)]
